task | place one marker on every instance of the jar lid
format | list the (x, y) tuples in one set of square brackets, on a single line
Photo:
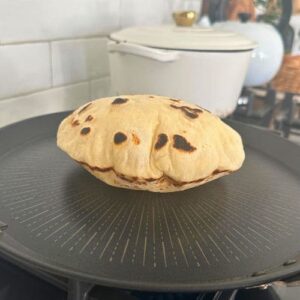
[(179, 38)]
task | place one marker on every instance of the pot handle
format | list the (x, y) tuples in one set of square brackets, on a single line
[(148, 52)]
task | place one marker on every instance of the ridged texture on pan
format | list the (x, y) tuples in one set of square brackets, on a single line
[(150, 142)]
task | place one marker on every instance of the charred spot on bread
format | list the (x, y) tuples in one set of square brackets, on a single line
[(190, 112), (181, 143), (135, 139), (95, 168), (84, 108), (218, 171), (162, 140), (89, 118), (140, 181), (203, 109), (119, 101), (85, 130), (150, 179), (120, 138), (174, 100), (122, 176), (75, 123), (151, 97)]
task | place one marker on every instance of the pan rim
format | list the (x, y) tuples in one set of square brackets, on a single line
[(204, 286), (51, 266)]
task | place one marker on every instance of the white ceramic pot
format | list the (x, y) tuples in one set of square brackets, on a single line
[(267, 57), (210, 73)]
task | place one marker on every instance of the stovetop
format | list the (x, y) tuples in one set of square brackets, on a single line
[(17, 283)]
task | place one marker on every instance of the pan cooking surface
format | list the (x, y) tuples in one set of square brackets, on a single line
[(223, 231)]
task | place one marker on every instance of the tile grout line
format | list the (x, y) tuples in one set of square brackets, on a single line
[(104, 35), (54, 87), (51, 63), (120, 19)]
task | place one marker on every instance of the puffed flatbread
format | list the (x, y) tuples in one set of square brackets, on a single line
[(152, 143)]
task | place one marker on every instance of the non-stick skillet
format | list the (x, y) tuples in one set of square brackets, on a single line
[(241, 230)]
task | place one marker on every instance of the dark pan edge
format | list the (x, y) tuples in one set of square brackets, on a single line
[(263, 139), (232, 283), (13, 134)]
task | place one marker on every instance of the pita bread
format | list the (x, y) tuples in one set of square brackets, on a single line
[(150, 143)]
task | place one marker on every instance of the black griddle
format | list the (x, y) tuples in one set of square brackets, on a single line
[(241, 230)]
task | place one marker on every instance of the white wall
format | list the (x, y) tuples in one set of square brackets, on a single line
[(295, 23), (53, 53)]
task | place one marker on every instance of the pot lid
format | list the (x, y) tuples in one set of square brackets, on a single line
[(192, 38)]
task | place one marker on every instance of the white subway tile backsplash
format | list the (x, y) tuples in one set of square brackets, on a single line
[(24, 68), (79, 60), (71, 65), (143, 12), (100, 88), (34, 20), (49, 101)]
